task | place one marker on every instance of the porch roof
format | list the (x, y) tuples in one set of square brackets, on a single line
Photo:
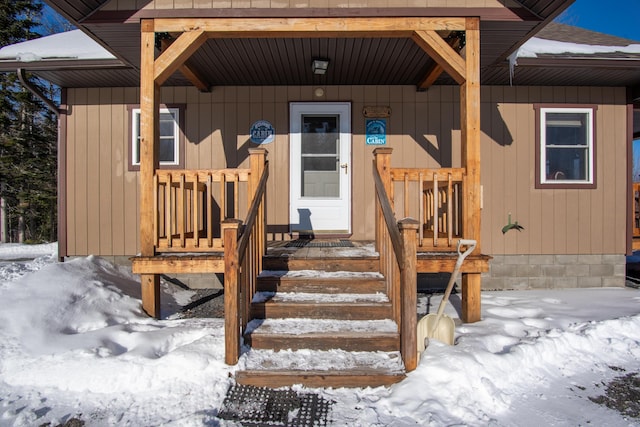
[(371, 61), (267, 61)]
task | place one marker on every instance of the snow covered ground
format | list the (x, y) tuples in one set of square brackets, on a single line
[(75, 343)]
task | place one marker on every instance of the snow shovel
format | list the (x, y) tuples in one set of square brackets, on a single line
[(440, 326)]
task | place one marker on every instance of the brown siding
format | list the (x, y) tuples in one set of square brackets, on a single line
[(423, 130), (279, 4), (556, 221)]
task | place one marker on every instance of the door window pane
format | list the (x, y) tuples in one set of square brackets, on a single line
[(320, 156)]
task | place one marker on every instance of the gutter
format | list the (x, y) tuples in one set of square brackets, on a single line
[(35, 91)]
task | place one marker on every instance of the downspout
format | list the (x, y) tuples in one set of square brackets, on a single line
[(62, 238), (34, 90)]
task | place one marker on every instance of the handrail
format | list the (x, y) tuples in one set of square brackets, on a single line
[(253, 212), (244, 247), (389, 217), (398, 266)]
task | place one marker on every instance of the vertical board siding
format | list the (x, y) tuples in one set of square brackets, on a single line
[(423, 130), (563, 221), (273, 4)]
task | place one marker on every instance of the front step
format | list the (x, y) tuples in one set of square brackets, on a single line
[(313, 281), (321, 306), (321, 319), (297, 334), (266, 368)]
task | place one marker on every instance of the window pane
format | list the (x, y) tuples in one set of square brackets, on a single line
[(566, 129), (320, 164), (167, 128), (167, 150), (567, 163), (320, 135)]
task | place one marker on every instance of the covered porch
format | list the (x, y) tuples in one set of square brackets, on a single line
[(215, 221)]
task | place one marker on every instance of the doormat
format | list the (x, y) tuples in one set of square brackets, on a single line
[(257, 406), (311, 243)]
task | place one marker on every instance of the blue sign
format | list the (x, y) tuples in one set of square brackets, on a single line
[(376, 131), (262, 132)]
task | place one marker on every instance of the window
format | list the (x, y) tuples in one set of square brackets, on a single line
[(171, 139), (566, 147)]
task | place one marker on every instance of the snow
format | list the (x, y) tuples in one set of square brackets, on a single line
[(72, 44), (536, 46), (75, 343)]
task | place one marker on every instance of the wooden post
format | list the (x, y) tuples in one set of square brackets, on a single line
[(257, 160), (409, 297), (470, 131), (231, 291), (382, 159), (149, 114)]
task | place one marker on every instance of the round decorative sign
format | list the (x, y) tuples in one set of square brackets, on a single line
[(262, 132)]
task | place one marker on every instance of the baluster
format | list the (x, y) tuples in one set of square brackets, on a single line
[(236, 201), (168, 211), (406, 195), (450, 209), (156, 207), (182, 213), (436, 202), (209, 210), (422, 201), (196, 211)]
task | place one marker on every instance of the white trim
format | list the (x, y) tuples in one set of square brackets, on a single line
[(589, 146), (331, 215), (135, 137)]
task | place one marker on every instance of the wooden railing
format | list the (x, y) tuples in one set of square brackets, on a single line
[(244, 247), (191, 205), (636, 209), (396, 244), (434, 196)]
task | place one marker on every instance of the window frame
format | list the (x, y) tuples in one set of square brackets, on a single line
[(540, 167), (134, 117)]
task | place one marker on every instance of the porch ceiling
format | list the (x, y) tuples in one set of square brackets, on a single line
[(256, 61)]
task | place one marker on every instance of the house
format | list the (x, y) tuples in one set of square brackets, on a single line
[(211, 130)]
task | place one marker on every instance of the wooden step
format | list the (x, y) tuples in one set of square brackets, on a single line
[(354, 378), (322, 334), (356, 264), (311, 281), (320, 306), (264, 368)]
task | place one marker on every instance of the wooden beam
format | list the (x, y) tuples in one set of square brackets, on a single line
[(442, 53), (436, 69), (149, 114), (470, 133), (189, 72), (309, 27), (177, 53)]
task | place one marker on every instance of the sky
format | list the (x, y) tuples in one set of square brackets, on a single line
[(616, 17)]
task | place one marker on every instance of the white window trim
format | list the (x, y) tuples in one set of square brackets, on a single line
[(543, 145), (135, 138)]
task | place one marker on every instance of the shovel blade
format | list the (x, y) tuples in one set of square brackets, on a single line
[(442, 331)]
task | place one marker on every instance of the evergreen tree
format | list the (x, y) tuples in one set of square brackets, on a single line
[(27, 139)]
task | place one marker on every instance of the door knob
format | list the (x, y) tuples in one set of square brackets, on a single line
[(345, 166)]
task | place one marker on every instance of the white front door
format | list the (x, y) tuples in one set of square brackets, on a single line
[(320, 138)]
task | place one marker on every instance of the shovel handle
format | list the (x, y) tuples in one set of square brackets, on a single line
[(461, 256)]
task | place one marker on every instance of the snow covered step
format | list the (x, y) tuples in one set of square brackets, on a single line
[(321, 281), (359, 264), (320, 306), (323, 334), (313, 368)]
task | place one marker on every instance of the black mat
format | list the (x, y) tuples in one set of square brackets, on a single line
[(256, 406)]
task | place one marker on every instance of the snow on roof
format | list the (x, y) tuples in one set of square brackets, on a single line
[(538, 46), (69, 45)]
